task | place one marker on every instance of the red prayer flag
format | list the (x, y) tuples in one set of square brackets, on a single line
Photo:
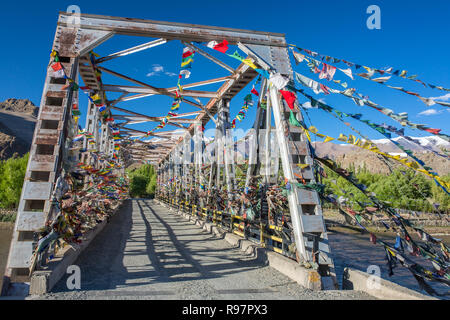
[(433, 131), (56, 66), (289, 97), (222, 47)]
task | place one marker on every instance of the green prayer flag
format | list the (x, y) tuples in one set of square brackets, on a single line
[(293, 120)]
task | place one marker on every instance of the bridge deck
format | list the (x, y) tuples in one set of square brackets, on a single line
[(147, 252)]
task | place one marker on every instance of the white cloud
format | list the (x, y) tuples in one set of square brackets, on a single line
[(429, 112), (445, 97), (158, 69)]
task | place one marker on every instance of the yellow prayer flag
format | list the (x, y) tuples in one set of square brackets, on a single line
[(328, 139), (320, 135), (351, 139), (342, 137), (366, 144), (313, 129), (250, 63)]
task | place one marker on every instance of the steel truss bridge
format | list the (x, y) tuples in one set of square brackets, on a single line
[(203, 186)]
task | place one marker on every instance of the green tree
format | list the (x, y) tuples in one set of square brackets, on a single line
[(439, 196), (12, 175), (138, 186), (143, 181)]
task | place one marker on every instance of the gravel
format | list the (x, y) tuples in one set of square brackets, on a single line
[(148, 252)]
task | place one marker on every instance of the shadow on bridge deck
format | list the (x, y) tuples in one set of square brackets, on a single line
[(147, 252)]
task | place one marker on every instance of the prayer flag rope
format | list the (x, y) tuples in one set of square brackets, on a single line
[(373, 148), (402, 118), (371, 71), (426, 169), (439, 260), (187, 59)]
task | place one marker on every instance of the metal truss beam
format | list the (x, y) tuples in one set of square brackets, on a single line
[(128, 51), (171, 30)]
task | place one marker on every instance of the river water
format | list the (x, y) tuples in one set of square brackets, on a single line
[(352, 250), (357, 252)]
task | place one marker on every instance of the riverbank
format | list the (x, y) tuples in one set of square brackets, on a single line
[(6, 230)]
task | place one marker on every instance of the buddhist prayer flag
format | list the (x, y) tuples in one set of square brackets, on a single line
[(327, 72), (342, 137), (324, 89), (75, 110), (250, 63), (279, 81), (58, 71), (237, 56), (186, 62), (298, 57), (222, 47), (186, 73), (289, 97), (348, 72), (187, 57), (256, 93)]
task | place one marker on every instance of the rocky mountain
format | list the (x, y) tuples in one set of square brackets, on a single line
[(348, 155), (17, 122), (21, 106), (18, 118)]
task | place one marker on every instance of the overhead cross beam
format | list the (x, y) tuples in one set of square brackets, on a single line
[(159, 90), (128, 51), (171, 30), (149, 92)]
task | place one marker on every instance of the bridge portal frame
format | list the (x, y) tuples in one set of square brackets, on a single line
[(76, 36)]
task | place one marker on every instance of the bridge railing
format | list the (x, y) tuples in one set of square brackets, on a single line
[(271, 237)]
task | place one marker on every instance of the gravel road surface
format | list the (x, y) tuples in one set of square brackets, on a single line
[(148, 252)]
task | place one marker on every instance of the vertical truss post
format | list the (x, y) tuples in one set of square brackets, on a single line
[(306, 213), (92, 126), (253, 138), (198, 155), (224, 143), (288, 173), (267, 143)]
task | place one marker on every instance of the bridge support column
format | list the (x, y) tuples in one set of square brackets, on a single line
[(306, 213), (53, 135), (223, 154)]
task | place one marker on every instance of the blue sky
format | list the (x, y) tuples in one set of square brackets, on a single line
[(413, 36)]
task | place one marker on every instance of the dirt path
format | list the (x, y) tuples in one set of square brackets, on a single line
[(148, 253)]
